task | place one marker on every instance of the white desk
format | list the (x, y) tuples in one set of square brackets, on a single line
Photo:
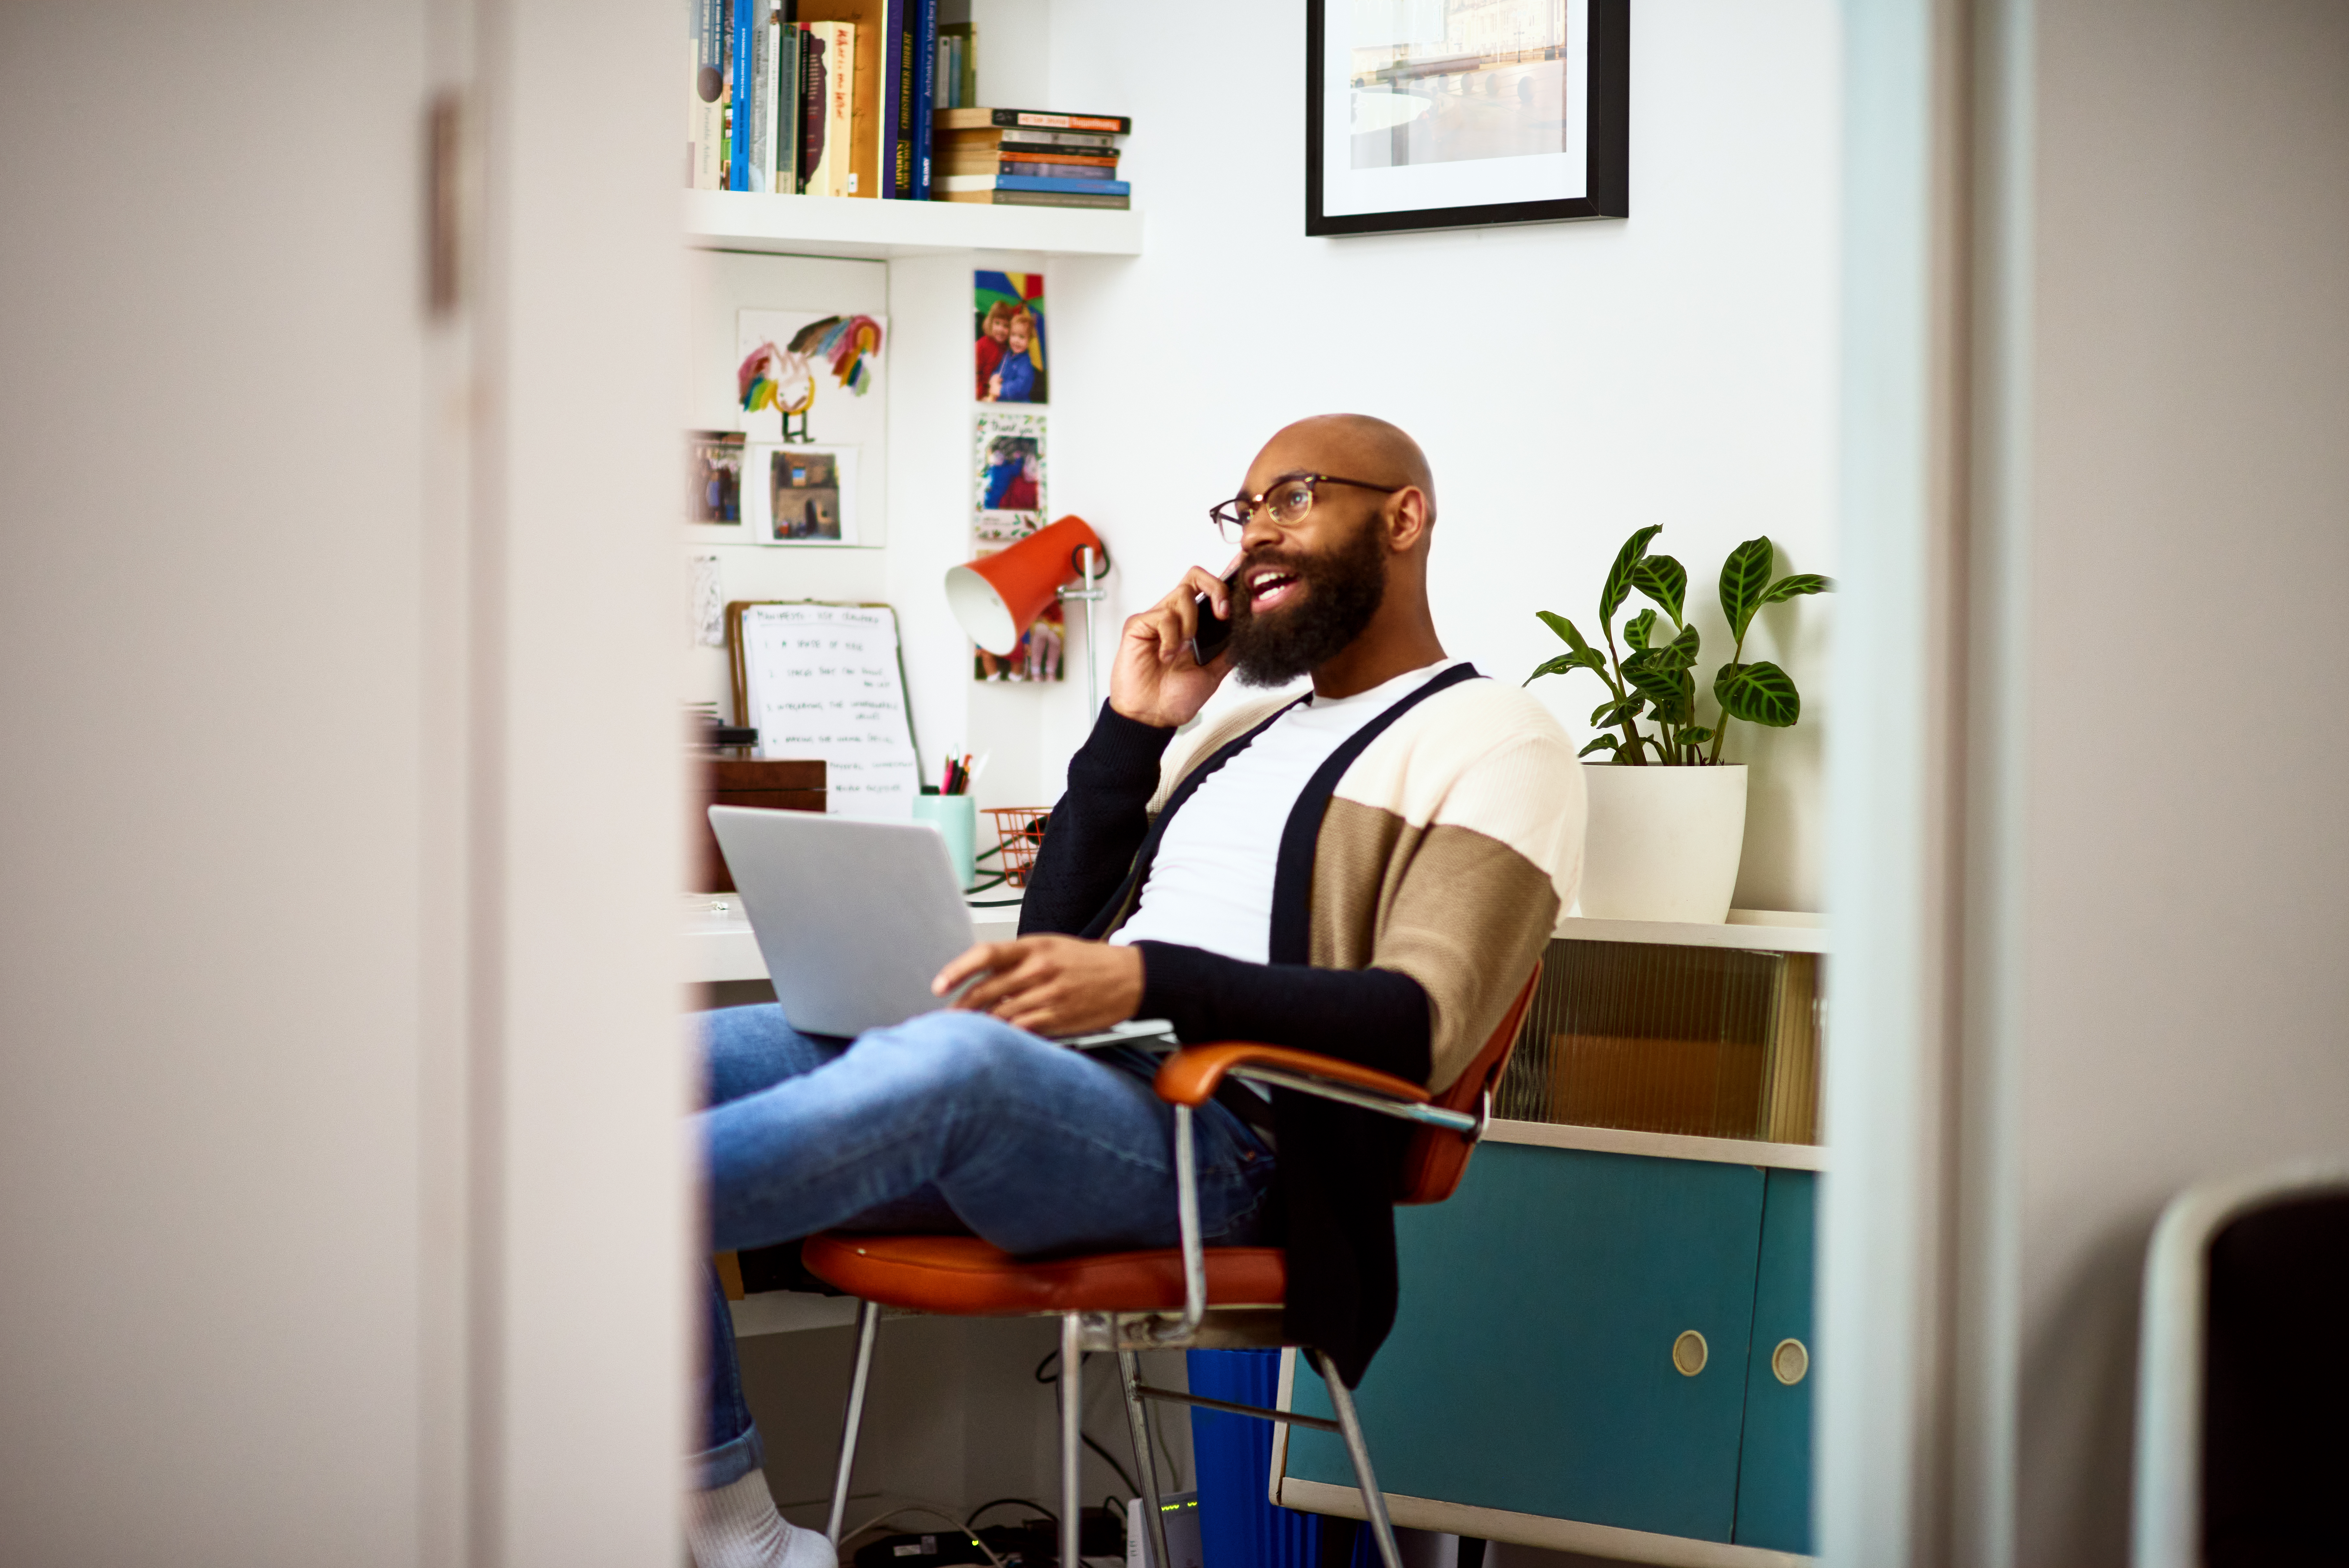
[(718, 944)]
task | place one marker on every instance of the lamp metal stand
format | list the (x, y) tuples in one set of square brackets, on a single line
[(1090, 595)]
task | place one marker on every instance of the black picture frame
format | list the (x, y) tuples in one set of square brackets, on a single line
[(1605, 102)]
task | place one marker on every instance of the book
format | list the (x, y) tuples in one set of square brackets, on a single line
[(760, 171), (738, 99), (1035, 199), (996, 136), (832, 172), (705, 107), (989, 152), (981, 160), (1032, 168), (958, 182), (839, 114), (926, 91), (815, 102), (1031, 118), (897, 82), (784, 114), (957, 66)]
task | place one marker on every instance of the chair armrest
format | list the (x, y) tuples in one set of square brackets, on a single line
[(1190, 1076)]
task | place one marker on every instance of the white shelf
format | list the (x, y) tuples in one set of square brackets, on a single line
[(1747, 930), (846, 226)]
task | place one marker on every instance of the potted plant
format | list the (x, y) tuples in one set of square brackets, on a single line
[(1667, 815)]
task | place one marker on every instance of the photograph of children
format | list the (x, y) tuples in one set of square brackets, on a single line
[(1037, 656), (1010, 475), (714, 478), (801, 494), (1009, 312)]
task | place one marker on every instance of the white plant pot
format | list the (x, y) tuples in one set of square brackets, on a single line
[(1664, 843)]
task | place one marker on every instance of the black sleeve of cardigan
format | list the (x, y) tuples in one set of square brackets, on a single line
[(1374, 1017), (1100, 824)]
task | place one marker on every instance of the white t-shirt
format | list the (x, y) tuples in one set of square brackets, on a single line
[(1210, 883)]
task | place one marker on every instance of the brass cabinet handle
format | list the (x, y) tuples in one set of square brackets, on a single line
[(1690, 1352), (1790, 1363)]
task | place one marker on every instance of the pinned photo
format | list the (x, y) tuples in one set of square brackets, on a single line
[(1037, 658), (1009, 476), (1009, 337), (802, 494), (714, 478)]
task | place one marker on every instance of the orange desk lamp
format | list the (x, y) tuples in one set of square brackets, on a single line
[(997, 597)]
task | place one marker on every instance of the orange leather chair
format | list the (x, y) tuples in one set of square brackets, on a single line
[(1215, 1298)]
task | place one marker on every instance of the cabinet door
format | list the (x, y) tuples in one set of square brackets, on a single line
[(1774, 1476), (1531, 1367)]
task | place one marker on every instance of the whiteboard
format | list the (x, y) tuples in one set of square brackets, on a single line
[(825, 680)]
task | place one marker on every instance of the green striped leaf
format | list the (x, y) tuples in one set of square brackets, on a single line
[(1640, 627), (1619, 576), (1663, 676), (1745, 579), (1759, 693), (1564, 628), (1801, 583), (1664, 580), (1611, 712), (1603, 744)]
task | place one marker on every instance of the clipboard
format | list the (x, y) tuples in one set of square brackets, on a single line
[(814, 679)]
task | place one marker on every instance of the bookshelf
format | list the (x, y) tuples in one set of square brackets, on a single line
[(881, 231)]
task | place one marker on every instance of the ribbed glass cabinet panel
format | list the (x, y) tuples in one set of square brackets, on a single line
[(1711, 1042)]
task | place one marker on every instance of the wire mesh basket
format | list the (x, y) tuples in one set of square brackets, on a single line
[(1019, 833)]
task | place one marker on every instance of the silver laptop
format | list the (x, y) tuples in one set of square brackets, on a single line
[(853, 918)]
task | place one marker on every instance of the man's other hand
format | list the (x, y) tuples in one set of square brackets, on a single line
[(1047, 985), (1155, 680)]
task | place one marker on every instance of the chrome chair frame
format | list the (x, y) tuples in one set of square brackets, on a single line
[(1198, 1326)]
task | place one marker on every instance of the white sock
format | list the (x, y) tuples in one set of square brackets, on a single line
[(736, 1526)]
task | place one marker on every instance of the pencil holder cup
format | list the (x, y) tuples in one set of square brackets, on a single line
[(956, 816)]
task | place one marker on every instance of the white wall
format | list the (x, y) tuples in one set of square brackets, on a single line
[(1570, 382), (2187, 881)]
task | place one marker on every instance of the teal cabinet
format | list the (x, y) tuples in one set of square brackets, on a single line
[(1532, 1366), (1773, 1473)]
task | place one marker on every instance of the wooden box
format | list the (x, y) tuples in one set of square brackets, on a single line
[(769, 784)]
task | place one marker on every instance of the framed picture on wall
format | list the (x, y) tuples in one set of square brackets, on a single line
[(800, 492), (1437, 114)]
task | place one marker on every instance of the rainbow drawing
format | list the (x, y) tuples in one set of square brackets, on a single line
[(784, 379)]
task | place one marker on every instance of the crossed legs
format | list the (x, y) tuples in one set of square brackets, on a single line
[(950, 1122)]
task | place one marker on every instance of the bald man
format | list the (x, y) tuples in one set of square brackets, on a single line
[(1368, 870)]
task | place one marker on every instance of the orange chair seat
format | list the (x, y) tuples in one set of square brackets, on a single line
[(962, 1276)]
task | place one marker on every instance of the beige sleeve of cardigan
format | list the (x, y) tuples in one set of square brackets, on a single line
[(1457, 879)]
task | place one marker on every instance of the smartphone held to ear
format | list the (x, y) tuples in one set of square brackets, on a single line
[(1208, 644)]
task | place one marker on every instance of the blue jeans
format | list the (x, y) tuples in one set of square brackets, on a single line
[(950, 1122)]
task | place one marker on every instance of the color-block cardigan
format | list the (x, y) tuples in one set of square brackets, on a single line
[(1419, 877)]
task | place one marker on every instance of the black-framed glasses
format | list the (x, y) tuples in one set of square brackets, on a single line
[(1288, 498)]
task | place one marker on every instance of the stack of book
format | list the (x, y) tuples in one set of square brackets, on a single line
[(832, 106), (1030, 158)]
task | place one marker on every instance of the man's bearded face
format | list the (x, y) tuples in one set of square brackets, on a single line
[(1293, 611)]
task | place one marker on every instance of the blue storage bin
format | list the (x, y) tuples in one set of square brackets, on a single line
[(1238, 1526)]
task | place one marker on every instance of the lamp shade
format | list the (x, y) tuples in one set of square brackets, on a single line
[(997, 597)]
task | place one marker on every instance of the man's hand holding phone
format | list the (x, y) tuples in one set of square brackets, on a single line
[(1155, 679)]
